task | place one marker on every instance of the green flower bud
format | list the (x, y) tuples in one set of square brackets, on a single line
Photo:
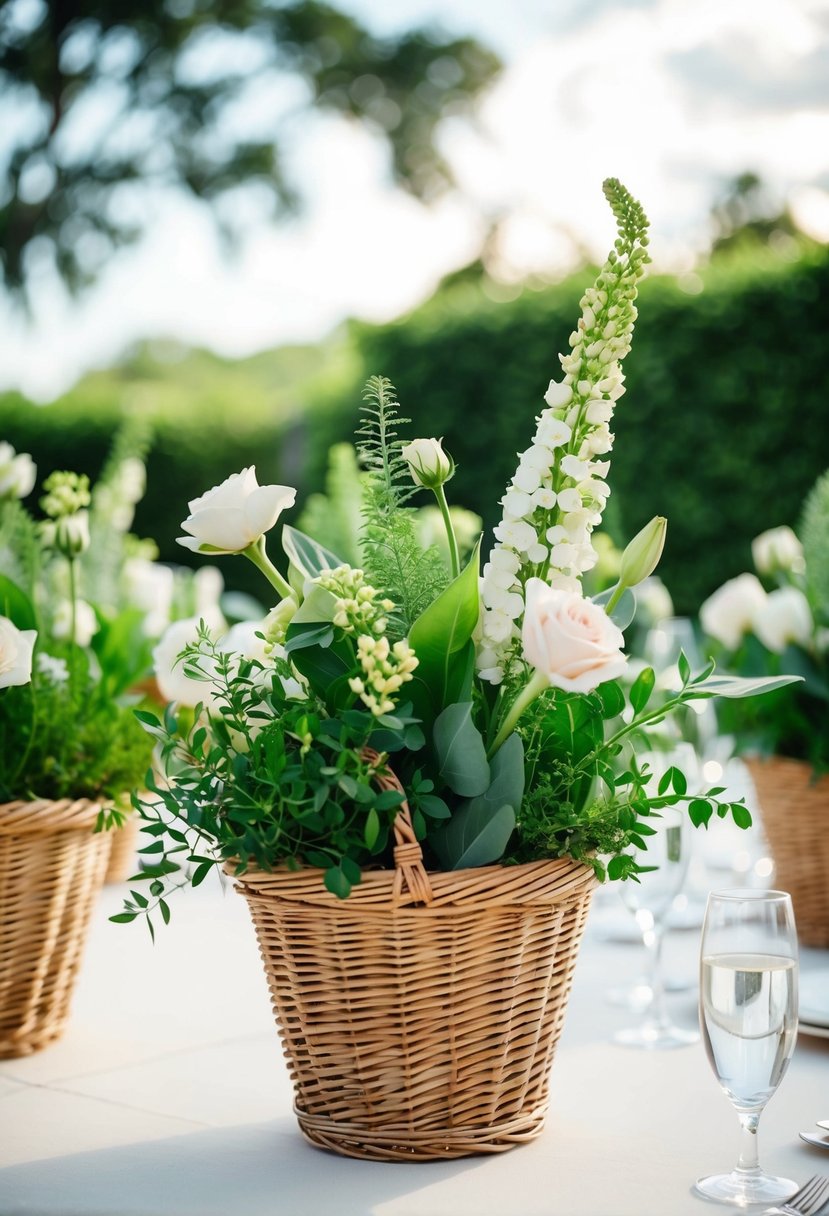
[(71, 535), (642, 555), (429, 465)]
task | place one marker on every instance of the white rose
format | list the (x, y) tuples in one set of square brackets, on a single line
[(570, 639), (208, 586), (784, 617), (428, 464), (777, 549), (86, 622), (150, 587), (16, 646), (17, 473), (241, 639), (729, 613), (173, 684), (231, 517)]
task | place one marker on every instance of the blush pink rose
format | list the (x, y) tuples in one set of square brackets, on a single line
[(569, 639)]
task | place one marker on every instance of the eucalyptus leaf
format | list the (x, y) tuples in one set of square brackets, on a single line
[(461, 754), (474, 836), (741, 686)]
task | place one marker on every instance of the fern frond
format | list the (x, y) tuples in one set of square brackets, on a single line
[(20, 548), (394, 560)]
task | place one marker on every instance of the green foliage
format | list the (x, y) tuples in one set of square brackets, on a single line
[(442, 639), (392, 555), (814, 536), (333, 518), (20, 559)]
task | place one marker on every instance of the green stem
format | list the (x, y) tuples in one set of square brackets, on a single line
[(616, 595), (257, 554), (73, 603), (525, 698), (661, 712), (454, 557)]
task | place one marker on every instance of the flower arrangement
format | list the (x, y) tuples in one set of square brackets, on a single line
[(497, 697), (67, 727), (776, 620)]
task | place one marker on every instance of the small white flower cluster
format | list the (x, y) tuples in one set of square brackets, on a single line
[(359, 611), (385, 670), (558, 493), (55, 670)]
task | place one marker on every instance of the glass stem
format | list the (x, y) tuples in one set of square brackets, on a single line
[(657, 1014), (749, 1162)]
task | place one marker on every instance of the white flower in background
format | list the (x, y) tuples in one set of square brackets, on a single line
[(16, 647), (729, 614), (208, 585), (173, 684), (86, 622), (822, 641), (428, 464), (131, 479), (783, 618), (569, 639), (18, 473), (777, 549), (558, 493), (150, 586), (654, 601), (55, 670), (71, 534), (234, 515), (241, 639)]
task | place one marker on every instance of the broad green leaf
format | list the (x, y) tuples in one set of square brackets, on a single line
[(741, 815), (642, 688), (462, 761), (741, 686), (319, 605), (612, 699), (624, 612), (571, 726), (441, 638), (306, 555), (16, 605), (475, 836)]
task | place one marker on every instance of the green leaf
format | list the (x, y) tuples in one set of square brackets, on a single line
[(123, 918), (741, 815), (165, 911), (624, 612), (16, 605), (433, 806), (462, 761), (372, 829), (336, 882), (309, 557), (700, 812), (441, 638), (741, 686), (612, 699), (642, 688), (678, 781), (478, 831), (684, 668)]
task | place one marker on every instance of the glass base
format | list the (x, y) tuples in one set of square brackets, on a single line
[(639, 994), (654, 1036), (745, 1189)]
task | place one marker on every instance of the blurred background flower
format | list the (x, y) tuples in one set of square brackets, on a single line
[(217, 219)]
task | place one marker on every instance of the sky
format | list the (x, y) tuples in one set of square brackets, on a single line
[(673, 97)]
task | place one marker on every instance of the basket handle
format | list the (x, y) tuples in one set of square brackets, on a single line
[(410, 874)]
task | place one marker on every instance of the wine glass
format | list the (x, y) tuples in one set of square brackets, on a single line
[(650, 900), (748, 1014)]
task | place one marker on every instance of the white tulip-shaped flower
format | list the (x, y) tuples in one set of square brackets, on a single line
[(729, 614), (784, 617), (16, 646), (18, 473), (233, 516)]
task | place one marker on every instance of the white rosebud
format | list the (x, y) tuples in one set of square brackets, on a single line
[(428, 464), (784, 618), (730, 612), (71, 534), (558, 395), (86, 622), (777, 549), (18, 473), (570, 639), (234, 515), (16, 648)]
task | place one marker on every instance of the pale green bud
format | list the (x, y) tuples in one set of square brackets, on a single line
[(641, 557), (71, 536), (429, 465)]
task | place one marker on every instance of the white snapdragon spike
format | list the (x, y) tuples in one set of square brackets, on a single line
[(558, 493)]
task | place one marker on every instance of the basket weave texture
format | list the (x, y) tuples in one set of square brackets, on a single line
[(52, 867), (122, 858), (420, 1016), (795, 810)]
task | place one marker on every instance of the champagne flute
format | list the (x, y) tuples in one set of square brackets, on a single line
[(748, 1013), (650, 900)]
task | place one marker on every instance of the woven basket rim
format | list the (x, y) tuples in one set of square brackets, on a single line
[(48, 816), (532, 882)]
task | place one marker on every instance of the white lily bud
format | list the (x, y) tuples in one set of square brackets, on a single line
[(641, 557)]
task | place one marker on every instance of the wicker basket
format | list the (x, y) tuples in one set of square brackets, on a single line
[(52, 867), (795, 811), (122, 858), (420, 1016)]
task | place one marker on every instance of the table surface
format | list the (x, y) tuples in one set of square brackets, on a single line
[(169, 1096)]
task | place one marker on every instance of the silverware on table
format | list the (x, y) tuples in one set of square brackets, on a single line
[(815, 1141), (806, 1201)]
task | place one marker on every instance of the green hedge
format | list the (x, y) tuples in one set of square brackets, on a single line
[(724, 426)]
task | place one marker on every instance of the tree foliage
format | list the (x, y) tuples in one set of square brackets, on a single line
[(110, 98)]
